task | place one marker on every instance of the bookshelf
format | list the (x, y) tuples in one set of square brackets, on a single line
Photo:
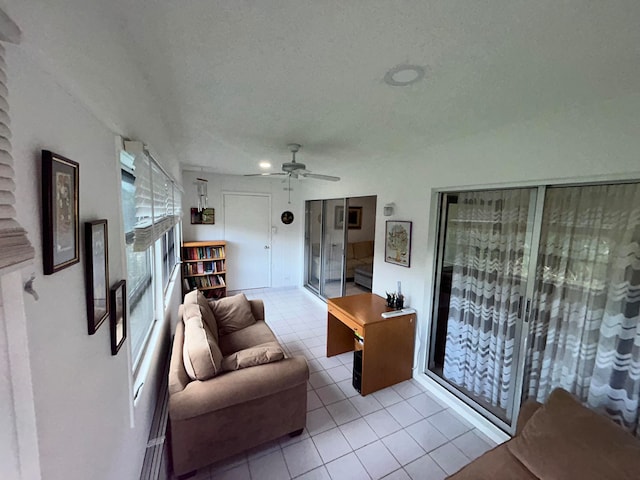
[(204, 266)]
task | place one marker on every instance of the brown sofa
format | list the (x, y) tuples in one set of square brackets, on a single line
[(561, 439), (217, 417), (359, 254)]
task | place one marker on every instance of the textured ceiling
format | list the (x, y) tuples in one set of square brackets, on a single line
[(238, 80)]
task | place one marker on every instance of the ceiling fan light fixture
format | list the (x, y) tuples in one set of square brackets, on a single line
[(404, 75), (294, 169)]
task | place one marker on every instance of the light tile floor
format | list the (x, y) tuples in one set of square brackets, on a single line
[(397, 433)]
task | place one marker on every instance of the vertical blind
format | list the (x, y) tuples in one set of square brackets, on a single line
[(157, 198), (14, 244)]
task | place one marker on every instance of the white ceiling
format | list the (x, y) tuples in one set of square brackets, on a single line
[(240, 79)]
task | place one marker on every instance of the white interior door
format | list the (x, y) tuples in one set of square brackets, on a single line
[(247, 231)]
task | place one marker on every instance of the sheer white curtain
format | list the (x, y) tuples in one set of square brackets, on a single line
[(585, 330), (488, 233)]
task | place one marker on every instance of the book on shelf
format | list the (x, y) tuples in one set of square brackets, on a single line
[(200, 267)]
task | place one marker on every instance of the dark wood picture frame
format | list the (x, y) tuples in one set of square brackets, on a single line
[(96, 254), (397, 242), (118, 315), (206, 217), (60, 212), (354, 218)]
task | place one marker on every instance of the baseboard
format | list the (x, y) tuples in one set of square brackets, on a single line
[(464, 410)]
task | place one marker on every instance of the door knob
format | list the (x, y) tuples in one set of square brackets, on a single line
[(266, 247)]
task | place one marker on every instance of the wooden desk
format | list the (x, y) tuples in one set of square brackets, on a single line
[(387, 351)]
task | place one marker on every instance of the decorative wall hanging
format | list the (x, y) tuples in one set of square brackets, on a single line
[(397, 244), (287, 217), (60, 226), (354, 218), (118, 315), (97, 273), (203, 194), (206, 216)]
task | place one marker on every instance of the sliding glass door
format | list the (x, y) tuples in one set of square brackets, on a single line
[(585, 321), (537, 289), (484, 259)]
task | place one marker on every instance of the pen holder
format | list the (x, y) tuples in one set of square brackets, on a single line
[(395, 300)]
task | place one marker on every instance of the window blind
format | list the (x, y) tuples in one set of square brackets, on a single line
[(177, 204), (154, 198), (15, 247)]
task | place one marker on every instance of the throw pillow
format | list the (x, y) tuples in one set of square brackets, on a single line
[(250, 357), (198, 298), (564, 439), (200, 352), (232, 313)]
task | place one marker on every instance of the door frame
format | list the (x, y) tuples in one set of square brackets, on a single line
[(432, 285), (269, 232)]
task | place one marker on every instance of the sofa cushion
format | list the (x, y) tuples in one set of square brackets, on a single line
[(250, 357), (248, 337), (363, 249), (564, 439), (201, 354), (232, 313), (350, 251), (196, 297), (496, 464)]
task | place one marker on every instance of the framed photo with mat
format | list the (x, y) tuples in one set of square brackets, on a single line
[(118, 315), (60, 226), (97, 273)]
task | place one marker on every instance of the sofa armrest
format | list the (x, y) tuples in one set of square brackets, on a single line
[(239, 386), (257, 309), (527, 410)]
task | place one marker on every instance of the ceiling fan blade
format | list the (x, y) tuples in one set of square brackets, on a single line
[(264, 174), (320, 177)]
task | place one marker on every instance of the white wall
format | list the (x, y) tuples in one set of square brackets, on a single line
[(81, 392), (584, 143), (286, 240)]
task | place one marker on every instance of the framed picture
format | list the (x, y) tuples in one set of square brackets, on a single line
[(206, 217), (354, 218), (60, 226), (118, 315), (97, 273), (397, 244)]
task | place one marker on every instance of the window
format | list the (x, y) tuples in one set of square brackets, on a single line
[(151, 213), (169, 259)]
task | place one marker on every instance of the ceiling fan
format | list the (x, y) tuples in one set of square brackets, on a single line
[(295, 169)]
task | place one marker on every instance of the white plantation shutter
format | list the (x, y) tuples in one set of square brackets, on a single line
[(15, 247), (153, 198), (177, 204), (162, 218)]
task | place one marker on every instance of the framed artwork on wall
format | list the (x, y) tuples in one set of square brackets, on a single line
[(97, 273), (205, 217), (60, 225), (354, 218), (118, 315), (397, 243)]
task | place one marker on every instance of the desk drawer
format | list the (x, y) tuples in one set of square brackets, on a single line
[(346, 320)]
